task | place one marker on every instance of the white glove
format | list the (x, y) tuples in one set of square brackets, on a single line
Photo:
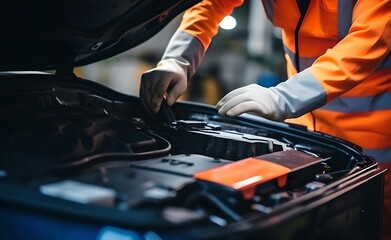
[(292, 98), (183, 55), (251, 98), (169, 78)]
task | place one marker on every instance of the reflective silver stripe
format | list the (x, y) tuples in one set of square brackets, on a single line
[(5, 73), (269, 10), (345, 12), (187, 49), (304, 62), (380, 155), (300, 94), (386, 62), (360, 104)]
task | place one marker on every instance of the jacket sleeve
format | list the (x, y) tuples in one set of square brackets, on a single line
[(198, 26), (360, 52), (202, 20)]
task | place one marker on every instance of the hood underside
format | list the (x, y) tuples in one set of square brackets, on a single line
[(48, 35)]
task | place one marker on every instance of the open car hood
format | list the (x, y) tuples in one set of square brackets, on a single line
[(47, 35), (79, 160)]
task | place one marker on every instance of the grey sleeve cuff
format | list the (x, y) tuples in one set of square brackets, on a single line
[(300, 94), (186, 49)]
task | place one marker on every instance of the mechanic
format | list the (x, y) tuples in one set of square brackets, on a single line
[(338, 63)]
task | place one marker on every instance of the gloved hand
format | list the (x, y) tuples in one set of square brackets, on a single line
[(169, 78), (251, 98), (180, 60), (292, 98)]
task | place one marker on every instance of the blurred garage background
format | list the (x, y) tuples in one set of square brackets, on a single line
[(246, 50)]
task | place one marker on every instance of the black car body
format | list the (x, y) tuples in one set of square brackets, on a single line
[(81, 161)]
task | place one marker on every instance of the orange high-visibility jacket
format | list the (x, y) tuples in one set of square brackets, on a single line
[(344, 45)]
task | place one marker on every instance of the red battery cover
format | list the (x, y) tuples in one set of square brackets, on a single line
[(245, 175)]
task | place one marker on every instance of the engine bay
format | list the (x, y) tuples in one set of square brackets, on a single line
[(77, 148)]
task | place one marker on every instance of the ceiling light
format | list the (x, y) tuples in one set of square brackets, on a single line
[(228, 23)]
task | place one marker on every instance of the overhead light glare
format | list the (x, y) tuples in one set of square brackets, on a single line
[(228, 23)]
